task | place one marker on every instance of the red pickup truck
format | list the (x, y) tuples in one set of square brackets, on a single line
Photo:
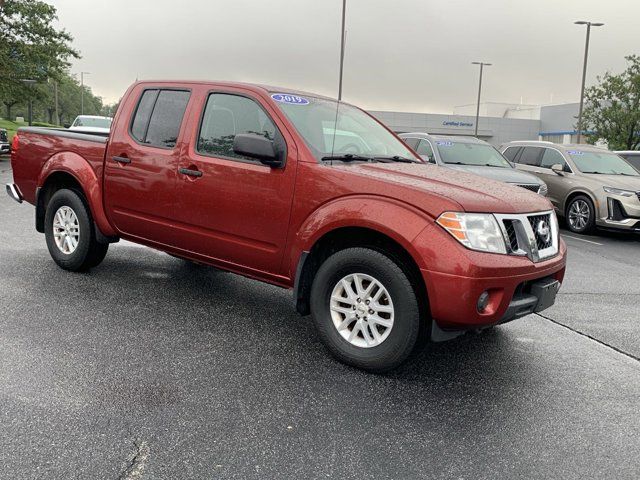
[(303, 192)]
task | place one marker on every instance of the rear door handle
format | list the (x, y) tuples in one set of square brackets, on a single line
[(191, 173), (121, 159)]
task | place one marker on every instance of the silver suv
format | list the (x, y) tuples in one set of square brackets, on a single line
[(471, 155), (589, 186)]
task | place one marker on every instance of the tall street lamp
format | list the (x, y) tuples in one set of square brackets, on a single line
[(584, 71), (82, 74), (344, 9), (30, 82), (482, 65)]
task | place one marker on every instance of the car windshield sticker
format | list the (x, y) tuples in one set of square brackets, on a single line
[(575, 152), (444, 144), (290, 99)]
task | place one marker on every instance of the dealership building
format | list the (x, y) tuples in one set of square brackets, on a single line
[(498, 122)]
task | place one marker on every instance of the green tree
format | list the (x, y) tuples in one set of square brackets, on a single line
[(30, 48), (612, 108)]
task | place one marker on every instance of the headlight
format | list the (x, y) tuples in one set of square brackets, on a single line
[(543, 190), (618, 191), (477, 231)]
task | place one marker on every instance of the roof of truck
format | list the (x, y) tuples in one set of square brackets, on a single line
[(253, 86)]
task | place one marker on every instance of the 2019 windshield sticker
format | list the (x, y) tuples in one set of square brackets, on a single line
[(575, 152), (290, 99), (442, 143)]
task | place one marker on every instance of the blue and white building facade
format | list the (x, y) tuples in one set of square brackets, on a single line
[(498, 123)]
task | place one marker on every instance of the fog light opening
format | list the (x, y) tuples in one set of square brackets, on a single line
[(483, 301)]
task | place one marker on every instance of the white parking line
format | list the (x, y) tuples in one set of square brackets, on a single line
[(583, 240)]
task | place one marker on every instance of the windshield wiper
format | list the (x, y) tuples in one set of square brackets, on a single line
[(397, 158), (349, 157)]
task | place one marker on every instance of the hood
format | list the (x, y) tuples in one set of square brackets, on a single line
[(617, 181), (506, 174), (472, 192)]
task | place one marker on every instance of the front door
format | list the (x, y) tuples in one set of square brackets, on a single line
[(557, 184), (141, 166), (233, 208)]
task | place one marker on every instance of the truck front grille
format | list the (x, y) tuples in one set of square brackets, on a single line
[(534, 235), (534, 188)]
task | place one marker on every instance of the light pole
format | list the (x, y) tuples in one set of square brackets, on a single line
[(584, 71), (344, 10), (82, 74), (30, 82), (482, 65)]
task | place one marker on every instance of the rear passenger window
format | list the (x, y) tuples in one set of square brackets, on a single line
[(530, 156), (552, 157), (227, 115), (159, 116), (511, 153)]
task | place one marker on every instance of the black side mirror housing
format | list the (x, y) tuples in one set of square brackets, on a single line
[(256, 146), (67, 125)]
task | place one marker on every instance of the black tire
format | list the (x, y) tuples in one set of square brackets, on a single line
[(89, 252), (589, 225), (403, 337)]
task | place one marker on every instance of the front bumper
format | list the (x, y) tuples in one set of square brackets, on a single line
[(513, 284), (619, 213)]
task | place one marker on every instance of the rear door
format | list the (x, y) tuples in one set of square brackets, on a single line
[(141, 165), (528, 159), (235, 209)]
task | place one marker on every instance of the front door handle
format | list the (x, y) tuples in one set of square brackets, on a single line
[(121, 159), (191, 173)]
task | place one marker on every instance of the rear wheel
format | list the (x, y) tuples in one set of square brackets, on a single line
[(365, 309), (581, 215), (70, 232)]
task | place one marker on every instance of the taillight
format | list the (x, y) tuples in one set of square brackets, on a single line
[(14, 143)]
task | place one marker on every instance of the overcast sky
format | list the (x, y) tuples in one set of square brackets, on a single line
[(407, 55)]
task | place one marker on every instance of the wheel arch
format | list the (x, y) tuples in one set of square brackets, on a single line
[(573, 195), (70, 170), (348, 237)]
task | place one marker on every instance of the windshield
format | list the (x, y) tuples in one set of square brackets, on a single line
[(601, 162), (92, 122), (3, 135), (471, 154), (347, 131)]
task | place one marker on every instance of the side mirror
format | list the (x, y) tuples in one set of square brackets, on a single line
[(558, 169), (67, 125), (256, 146)]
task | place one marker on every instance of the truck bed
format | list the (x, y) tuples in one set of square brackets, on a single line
[(38, 145)]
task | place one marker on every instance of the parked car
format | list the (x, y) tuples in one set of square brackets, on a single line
[(631, 156), (92, 124), (471, 155), (382, 249), (4, 142), (589, 186)]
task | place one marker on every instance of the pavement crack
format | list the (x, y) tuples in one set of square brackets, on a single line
[(586, 335), (135, 467), (601, 294)]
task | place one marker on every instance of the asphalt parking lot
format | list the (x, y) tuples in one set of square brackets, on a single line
[(150, 366)]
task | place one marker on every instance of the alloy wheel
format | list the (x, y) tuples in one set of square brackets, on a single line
[(362, 310)]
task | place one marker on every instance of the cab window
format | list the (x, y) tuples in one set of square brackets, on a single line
[(511, 153), (227, 115)]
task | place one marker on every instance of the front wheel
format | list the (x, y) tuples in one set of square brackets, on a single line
[(581, 215), (70, 233), (365, 309)]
